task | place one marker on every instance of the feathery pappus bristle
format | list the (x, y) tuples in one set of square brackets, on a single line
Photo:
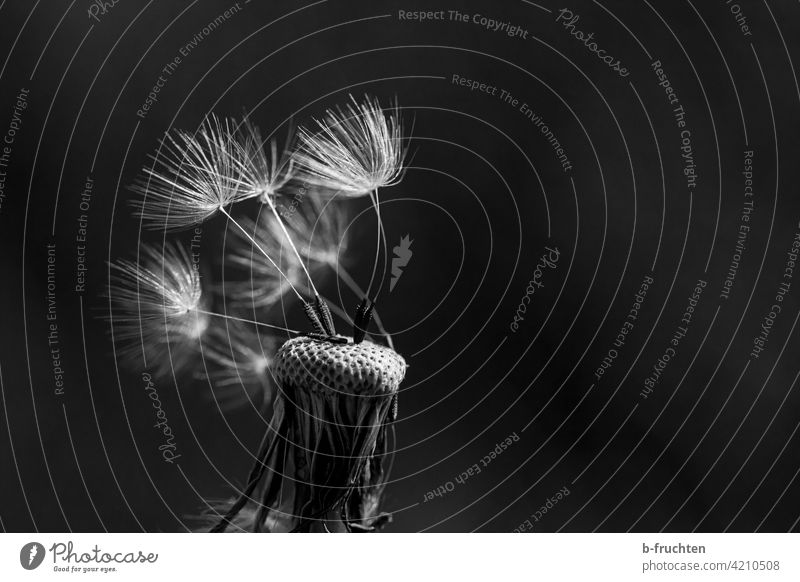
[(157, 307), (265, 284), (239, 356), (318, 231), (267, 171), (195, 175), (319, 227), (356, 149)]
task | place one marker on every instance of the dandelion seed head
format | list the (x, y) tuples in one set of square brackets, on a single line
[(356, 149)]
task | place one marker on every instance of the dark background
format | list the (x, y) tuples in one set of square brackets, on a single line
[(713, 448)]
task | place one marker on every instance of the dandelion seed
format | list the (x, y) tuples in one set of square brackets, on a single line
[(241, 357), (266, 284), (202, 173), (265, 175), (157, 307), (356, 150), (319, 227), (195, 175)]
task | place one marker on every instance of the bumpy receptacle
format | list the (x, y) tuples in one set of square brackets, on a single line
[(338, 400), (316, 364)]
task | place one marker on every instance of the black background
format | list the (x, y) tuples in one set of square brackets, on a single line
[(713, 448)]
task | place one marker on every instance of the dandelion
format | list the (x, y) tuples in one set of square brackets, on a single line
[(157, 307), (321, 465), (356, 150)]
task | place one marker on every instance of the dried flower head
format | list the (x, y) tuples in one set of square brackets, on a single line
[(356, 150), (330, 419), (156, 307)]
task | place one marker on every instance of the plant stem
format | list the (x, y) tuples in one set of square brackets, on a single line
[(291, 243), (251, 321), (381, 236)]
